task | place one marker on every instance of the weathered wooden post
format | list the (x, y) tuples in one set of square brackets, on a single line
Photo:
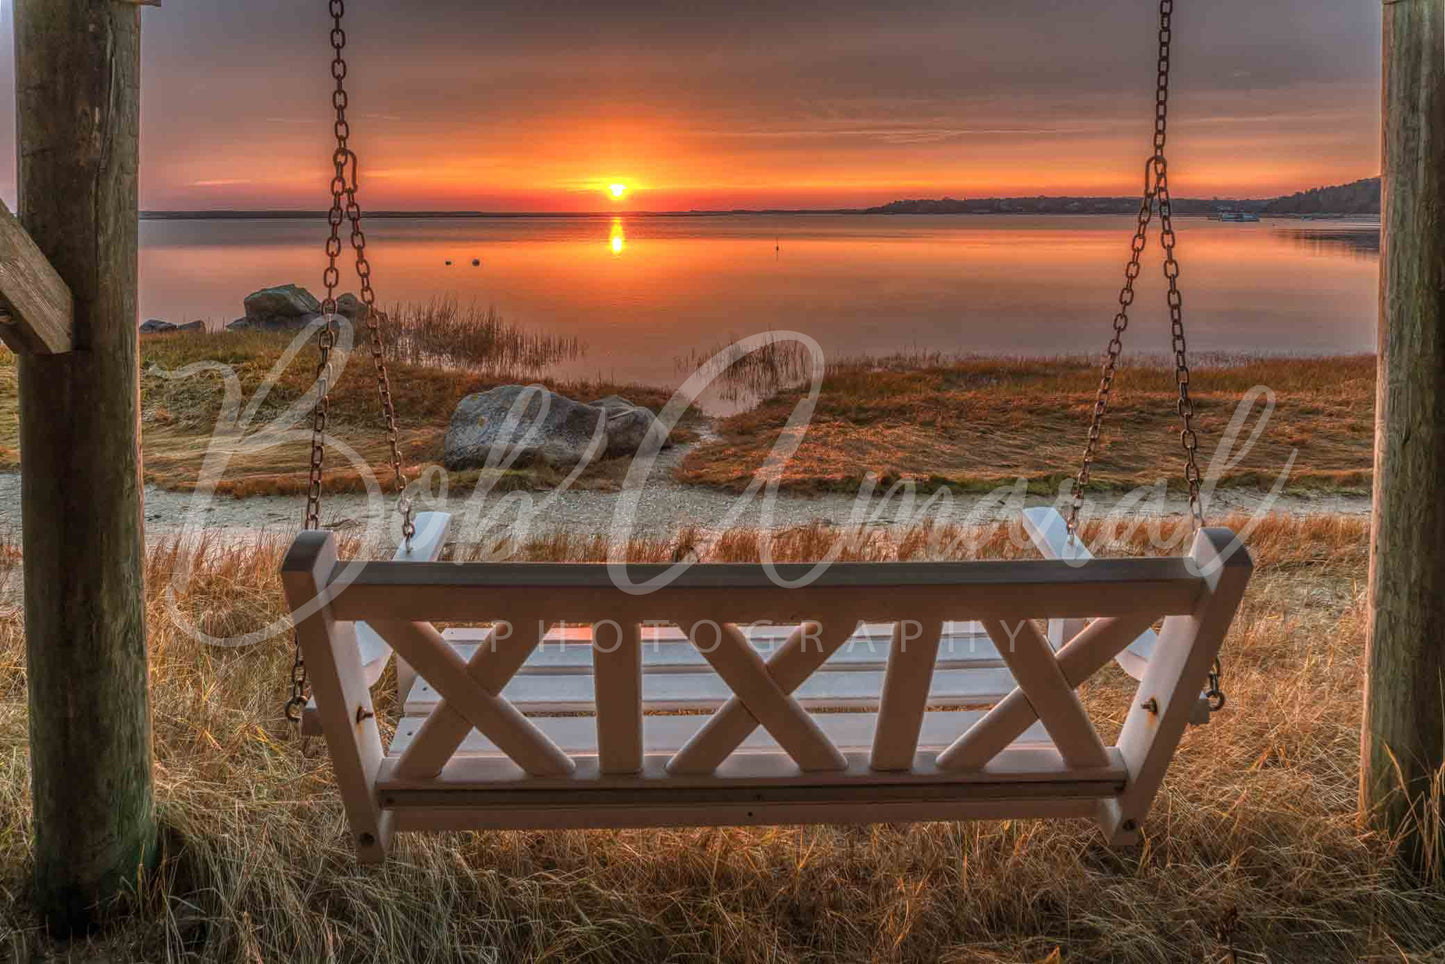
[(78, 118), (1405, 696)]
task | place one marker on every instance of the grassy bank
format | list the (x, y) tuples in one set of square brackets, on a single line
[(1255, 824), (979, 423), (971, 424), (178, 415)]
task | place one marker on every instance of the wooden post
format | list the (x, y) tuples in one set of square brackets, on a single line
[(78, 118), (1402, 736)]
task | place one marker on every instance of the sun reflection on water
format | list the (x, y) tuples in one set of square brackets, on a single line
[(619, 237)]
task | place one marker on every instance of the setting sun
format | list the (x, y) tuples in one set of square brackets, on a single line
[(617, 190)]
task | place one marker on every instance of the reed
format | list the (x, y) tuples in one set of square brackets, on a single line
[(447, 333), (749, 376)]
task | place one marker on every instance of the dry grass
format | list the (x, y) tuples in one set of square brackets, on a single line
[(178, 416), (979, 423), (973, 424), (1257, 819)]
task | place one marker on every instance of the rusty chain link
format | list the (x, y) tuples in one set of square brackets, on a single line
[(1156, 191), (344, 208)]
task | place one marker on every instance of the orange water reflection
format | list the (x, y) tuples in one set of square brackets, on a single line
[(642, 291)]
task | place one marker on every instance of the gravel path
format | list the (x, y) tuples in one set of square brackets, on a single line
[(663, 508)]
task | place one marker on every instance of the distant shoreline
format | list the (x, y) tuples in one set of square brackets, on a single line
[(1357, 199), (231, 215), (457, 215)]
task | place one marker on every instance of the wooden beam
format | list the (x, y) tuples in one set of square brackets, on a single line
[(1402, 747), (37, 314), (77, 66)]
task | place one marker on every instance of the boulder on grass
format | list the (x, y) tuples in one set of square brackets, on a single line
[(282, 308), (561, 434), (282, 301), (289, 308), (194, 326), (550, 429), (627, 425)]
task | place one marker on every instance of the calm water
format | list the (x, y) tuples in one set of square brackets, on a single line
[(642, 292)]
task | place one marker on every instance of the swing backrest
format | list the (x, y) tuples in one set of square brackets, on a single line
[(474, 760)]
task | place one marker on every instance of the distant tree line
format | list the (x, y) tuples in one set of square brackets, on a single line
[(1361, 197), (1054, 205)]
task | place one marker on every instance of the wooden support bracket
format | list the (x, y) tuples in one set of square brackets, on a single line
[(37, 312)]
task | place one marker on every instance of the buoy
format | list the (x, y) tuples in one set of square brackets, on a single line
[(449, 262), (476, 262)]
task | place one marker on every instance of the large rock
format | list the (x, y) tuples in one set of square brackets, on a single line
[(282, 301), (289, 308), (282, 308), (561, 435), (551, 428), (627, 425)]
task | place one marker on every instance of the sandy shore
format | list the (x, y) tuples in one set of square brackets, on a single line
[(662, 509)]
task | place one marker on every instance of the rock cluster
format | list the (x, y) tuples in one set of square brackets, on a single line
[(157, 327)]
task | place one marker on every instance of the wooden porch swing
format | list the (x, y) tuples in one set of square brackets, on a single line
[(575, 703)]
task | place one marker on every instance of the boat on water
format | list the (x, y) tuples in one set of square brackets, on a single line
[(1238, 216)]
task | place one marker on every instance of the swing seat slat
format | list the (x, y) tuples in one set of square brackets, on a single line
[(577, 734)]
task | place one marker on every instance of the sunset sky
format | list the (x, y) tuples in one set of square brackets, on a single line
[(543, 105)]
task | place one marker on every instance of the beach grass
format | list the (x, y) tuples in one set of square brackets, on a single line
[(974, 424), (1253, 848)]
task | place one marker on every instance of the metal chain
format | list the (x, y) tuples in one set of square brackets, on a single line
[(1160, 164), (1114, 349), (1156, 189), (1187, 436), (344, 207)]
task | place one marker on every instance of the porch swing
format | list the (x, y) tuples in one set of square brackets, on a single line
[(946, 700)]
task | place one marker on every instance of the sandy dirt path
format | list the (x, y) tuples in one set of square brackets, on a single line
[(663, 508)]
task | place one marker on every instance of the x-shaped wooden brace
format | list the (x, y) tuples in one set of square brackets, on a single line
[(469, 699), (1045, 692), (763, 696)]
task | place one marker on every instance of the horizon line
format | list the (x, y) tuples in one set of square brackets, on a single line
[(312, 213)]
